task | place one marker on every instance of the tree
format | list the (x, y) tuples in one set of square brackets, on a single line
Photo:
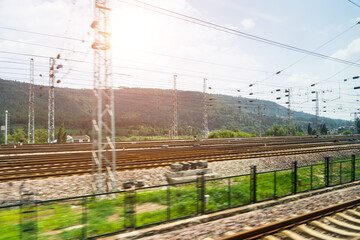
[(61, 135), (357, 124), (276, 130), (309, 129), (19, 134), (323, 129), (346, 132), (41, 136)]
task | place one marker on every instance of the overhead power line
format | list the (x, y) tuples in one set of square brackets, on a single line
[(46, 34), (354, 3), (218, 27)]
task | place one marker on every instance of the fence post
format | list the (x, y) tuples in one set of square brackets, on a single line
[(294, 177), (28, 214), (84, 217), (201, 191), (352, 167), (129, 205), (168, 199), (253, 184), (327, 171)]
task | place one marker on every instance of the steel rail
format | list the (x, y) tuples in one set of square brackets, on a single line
[(289, 223)]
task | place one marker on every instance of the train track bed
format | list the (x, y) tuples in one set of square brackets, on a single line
[(249, 217), (74, 185), (32, 166), (341, 221)]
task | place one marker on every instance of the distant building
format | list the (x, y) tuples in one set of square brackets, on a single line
[(76, 139)]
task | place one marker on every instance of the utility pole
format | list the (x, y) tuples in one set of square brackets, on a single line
[(103, 151), (31, 124), (317, 113), (259, 119), (205, 114), (51, 109), (289, 110), (174, 132), (6, 125)]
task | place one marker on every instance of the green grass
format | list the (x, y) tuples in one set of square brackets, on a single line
[(64, 219)]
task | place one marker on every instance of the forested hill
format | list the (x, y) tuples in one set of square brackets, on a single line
[(146, 111)]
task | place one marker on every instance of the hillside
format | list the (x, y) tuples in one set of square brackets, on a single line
[(146, 111)]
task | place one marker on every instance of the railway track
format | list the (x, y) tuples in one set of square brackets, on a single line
[(336, 222), (51, 164), (47, 148)]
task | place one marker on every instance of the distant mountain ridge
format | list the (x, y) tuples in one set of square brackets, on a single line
[(148, 111)]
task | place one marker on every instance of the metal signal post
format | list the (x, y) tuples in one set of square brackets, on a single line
[(103, 153), (31, 124), (205, 112), (174, 126)]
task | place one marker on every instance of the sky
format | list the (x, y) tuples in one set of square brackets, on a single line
[(149, 46)]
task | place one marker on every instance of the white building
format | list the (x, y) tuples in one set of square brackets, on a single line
[(76, 139)]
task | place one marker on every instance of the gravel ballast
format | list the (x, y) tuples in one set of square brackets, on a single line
[(76, 185)]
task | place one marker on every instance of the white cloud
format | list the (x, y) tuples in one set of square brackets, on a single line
[(248, 23), (351, 52)]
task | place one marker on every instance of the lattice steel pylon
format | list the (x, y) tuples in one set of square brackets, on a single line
[(289, 111), (31, 124), (103, 153), (205, 112), (174, 127), (51, 107)]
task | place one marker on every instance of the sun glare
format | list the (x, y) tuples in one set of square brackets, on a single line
[(136, 29)]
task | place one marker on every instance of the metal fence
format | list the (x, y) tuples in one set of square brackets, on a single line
[(91, 216)]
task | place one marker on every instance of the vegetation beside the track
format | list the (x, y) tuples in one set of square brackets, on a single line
[(71, 218)]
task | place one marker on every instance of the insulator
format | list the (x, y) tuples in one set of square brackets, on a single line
[(313, 92), (59, 66), (345, 80), (356, 77), (239, 107), (286, 95), (286, 90), (278, 98), (314, 100), (357, 87), (239, 101), (211, 98), (287, 102), (41, 87), (94, 24), (324, 111), (278, 72), (312, 85), (251, 93), (51, 75), (278, 90), (58, 81), (209, 87), (40, 75), (251, 101), (238, 90), (58, 56), (251, 85)]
